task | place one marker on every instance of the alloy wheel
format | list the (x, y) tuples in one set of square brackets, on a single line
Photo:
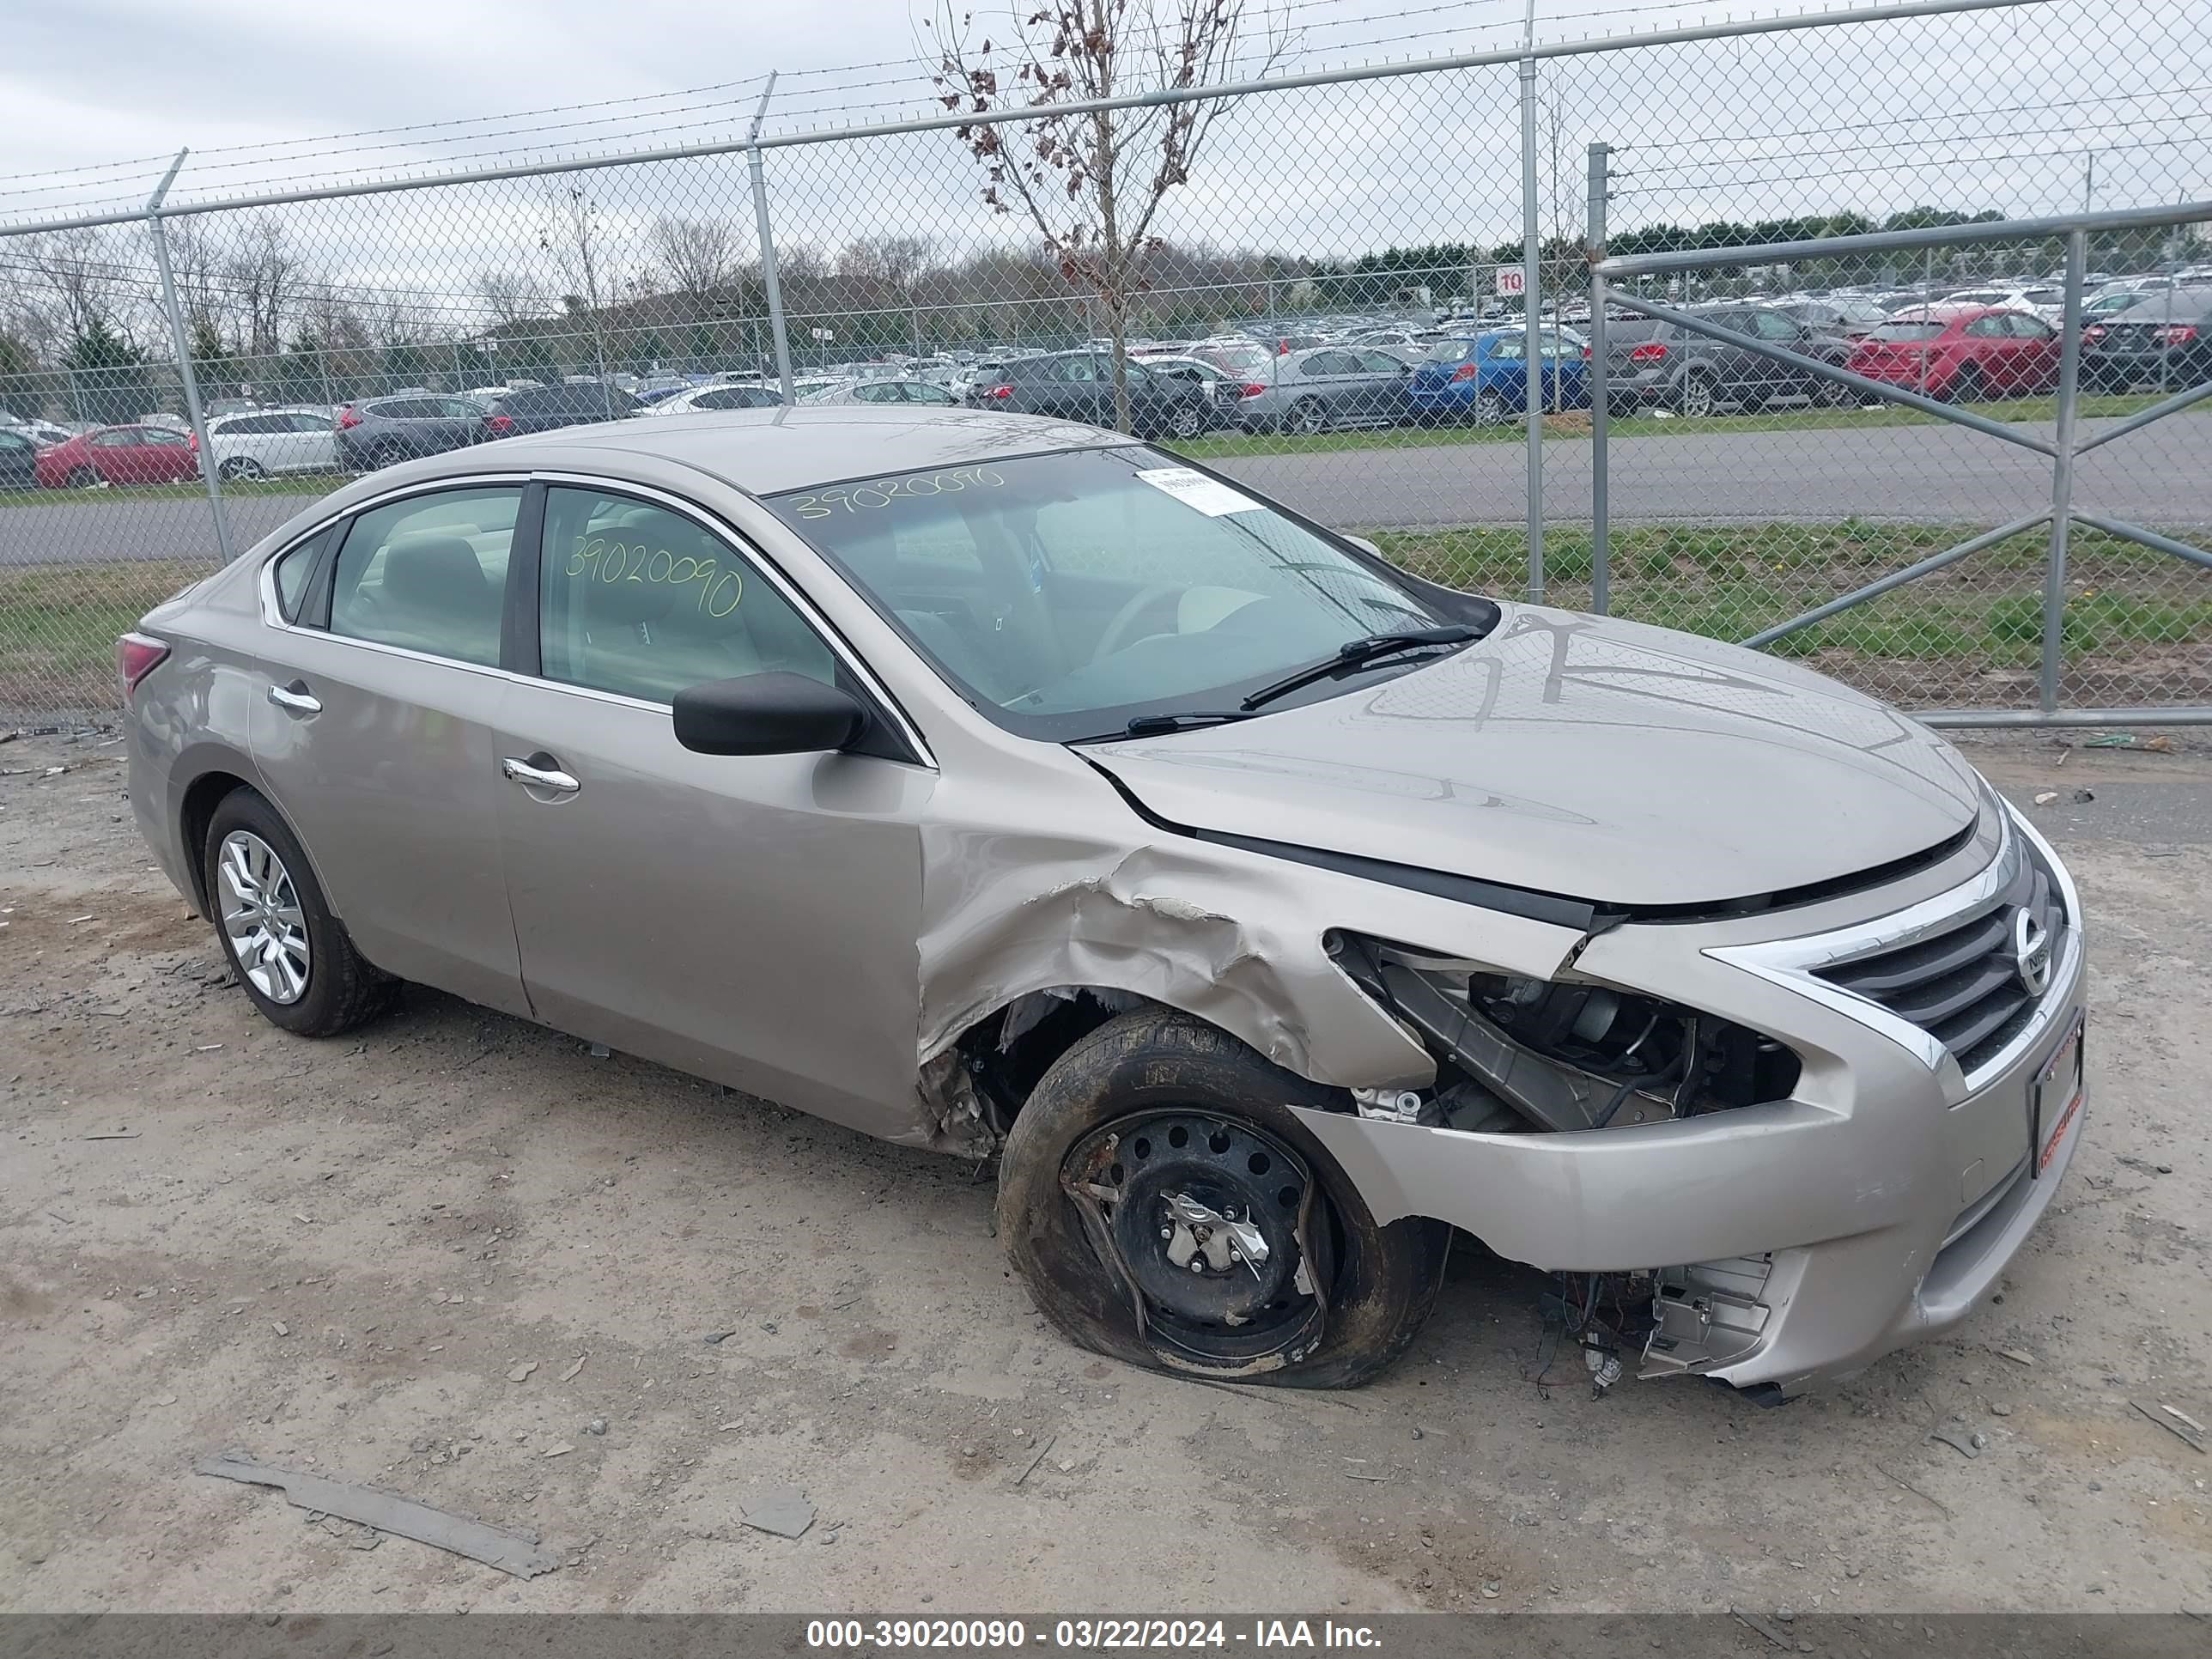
[(1186, 421), (1219, 1230), (1489, 410), (262, 918), (1697, 397), (1307, 418)]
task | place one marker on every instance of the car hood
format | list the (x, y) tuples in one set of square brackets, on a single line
[(1577, 756)]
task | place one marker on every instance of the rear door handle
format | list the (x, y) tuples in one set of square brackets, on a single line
[(295, 697), (521, 771)]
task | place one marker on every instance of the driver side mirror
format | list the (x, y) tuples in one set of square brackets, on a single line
[(768, 715)]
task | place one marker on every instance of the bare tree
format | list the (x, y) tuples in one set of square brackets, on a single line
[(265, 275), (80, 279), (589, 273), (511, 296), (1092, 181), (700, 261)]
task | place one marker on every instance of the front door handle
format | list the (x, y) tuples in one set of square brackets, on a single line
[(295, 697), (521, 771)]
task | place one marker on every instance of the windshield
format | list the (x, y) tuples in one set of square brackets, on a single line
[(1065, 595)]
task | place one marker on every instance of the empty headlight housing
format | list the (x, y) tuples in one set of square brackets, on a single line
[(1516, 1053)]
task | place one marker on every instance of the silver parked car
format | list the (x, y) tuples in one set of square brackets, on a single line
[(1001, 786), (1336, 386)]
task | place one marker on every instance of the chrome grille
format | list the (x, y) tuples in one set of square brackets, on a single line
[(1963, 984)]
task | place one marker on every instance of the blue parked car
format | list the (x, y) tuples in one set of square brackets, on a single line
[(1485, 377)]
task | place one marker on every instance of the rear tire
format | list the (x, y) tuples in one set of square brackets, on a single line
[(340, 989), (1307, 418), (1489, 409), (242, 469), (1966, 386), (1697, 398), (82, 478), (385, 451), (1174, 1117), (1186, 421)]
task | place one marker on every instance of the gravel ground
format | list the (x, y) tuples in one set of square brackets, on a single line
[(383, 1258)]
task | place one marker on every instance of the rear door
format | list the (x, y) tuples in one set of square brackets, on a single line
[(747, 918), (374, 732), (312, 445), (2034, 361)]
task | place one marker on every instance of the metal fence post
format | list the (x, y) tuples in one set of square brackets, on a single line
[(1532, 279), (768, 283), (2062, 470), (1601, 503), (184, 351)]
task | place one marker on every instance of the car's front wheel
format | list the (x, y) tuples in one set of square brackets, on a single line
[(1186, 420), (1166, 1208), (294, 957)]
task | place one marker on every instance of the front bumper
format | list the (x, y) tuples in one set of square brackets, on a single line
[(1791, 1240)]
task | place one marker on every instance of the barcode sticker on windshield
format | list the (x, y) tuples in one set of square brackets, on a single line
[(1209, 495)]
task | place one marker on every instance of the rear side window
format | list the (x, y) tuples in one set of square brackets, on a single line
[(428, 574), (1902, 330), (293, 571), (635, 599)]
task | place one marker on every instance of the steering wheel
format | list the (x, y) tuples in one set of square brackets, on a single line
[(1125, 619)]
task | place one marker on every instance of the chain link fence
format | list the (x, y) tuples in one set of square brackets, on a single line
[(1328, 301)]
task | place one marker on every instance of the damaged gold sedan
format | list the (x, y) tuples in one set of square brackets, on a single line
[(998, 786)]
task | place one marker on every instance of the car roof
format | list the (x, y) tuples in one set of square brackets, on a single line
[(766, 452)]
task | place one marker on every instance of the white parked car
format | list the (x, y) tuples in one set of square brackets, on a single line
[(2048, 303), (901, 391), (266, 442)]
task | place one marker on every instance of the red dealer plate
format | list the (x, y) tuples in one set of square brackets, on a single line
[(2056, 1097)]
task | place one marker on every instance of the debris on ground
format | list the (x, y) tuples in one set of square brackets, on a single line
[(576, 1369), (1958, 1439), (2016, 1356), (782, 1510), (516, 1553), (597, 1426), (1029, 1468), (2178, 1423), (2082, 797), (114, 1134), (521, 1373), (2044, 797), (1752, 1622)]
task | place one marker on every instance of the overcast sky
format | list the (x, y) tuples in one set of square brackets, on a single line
[(1998, 110)]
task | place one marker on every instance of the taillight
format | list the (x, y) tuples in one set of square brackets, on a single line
[(2094, 333), (349, 417), (499, 425), (2179, 336), (1585, 353), (193, 438), (999, 391), (1465, 371), (1251, 389), (1651, 351), (138, 655)]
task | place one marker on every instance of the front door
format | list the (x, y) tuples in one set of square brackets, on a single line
[(751, 918), (374, 732)]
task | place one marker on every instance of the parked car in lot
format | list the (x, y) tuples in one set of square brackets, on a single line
[(1030, 793), (1849, 318), (2046, 300), (139, 454), (2165, 341), (1335, 386), (272, 441), (1079, 385), (1484, 377), (741, 395), (542, 409), (377, 432), (1961, 352), (1655, 364), (18, 460), (901, 390)]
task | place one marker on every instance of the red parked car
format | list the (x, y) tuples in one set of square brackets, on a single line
[(119, 455), (1961, 352)]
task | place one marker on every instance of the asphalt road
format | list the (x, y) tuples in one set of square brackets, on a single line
[(1915, 473)]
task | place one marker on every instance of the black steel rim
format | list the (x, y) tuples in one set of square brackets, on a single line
[(1184, 1195)]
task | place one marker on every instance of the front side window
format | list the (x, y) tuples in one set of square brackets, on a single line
[(428, 574), (1066, 593), (637, 599)]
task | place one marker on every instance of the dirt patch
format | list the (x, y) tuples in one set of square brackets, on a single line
[(344, 1251)]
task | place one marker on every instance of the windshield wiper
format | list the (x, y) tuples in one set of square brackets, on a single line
[(1369, 647), (1154, 725)]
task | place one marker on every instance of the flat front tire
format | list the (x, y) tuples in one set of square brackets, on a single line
[(1166, 1207), (292, 957)]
